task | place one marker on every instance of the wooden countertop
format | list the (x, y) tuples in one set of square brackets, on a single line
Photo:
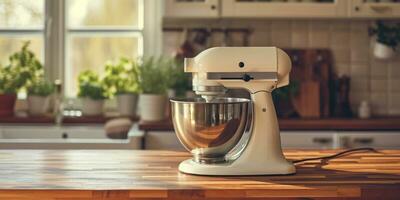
[(353, 124), (128, 174)]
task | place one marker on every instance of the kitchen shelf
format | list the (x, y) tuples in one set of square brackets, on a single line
[(392, 123)]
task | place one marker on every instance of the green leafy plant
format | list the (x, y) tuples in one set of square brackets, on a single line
[(22, 69), (387, 34), (284, 93), (41, 88), (122, 77), (91, 86), (155, 75), (179, 80)]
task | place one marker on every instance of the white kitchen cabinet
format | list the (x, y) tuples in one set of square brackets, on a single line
[(167, 140), (162, 140), (371, 9), (285, 9), (308, 139), (192, 8), (375, 139)]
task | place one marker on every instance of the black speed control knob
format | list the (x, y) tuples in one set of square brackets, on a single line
[(247, 77)]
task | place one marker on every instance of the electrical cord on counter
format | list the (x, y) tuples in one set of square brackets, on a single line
[(325, 158)]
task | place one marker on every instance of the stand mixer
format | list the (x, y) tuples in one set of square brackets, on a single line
[(212, 127)]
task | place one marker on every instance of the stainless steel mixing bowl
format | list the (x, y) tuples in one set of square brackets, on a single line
[(209, 130)]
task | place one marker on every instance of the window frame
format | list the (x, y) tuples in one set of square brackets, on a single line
[(56, 35), (15, 32)]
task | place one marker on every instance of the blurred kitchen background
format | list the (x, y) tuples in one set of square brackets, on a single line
[(97, 74)]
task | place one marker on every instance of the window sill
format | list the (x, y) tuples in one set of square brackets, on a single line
[(66, 120)]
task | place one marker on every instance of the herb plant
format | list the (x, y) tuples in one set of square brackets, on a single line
[(41, 88), (122, 77), (91, 86), (22, 69), (387, 34), (179, 80), (155, 75)]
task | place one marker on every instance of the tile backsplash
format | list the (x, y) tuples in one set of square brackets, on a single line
[(373, 80)]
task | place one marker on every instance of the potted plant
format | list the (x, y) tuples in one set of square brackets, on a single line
[(387, 39), (22, 66), (154, 82), (179, 81), (93, 92), (39, 96), (122, 80)]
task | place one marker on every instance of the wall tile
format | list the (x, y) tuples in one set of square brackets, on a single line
[(359, 69), (341, 54), (340, 37), (281, 34), (359, 84), (260, 38), (394, 86), (379, 69), (394, 68), (342, 68), (172, 41), (319, 39), (237, 39), (300, 34), (379, 85), (379, 103), (394, 103), (357, 97), (217, 39)]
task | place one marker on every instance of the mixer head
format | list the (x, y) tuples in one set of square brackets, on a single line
[(240, 67)]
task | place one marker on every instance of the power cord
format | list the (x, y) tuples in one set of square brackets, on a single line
[(325, 158)]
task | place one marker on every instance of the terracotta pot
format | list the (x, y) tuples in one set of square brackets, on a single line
[(38, 105), (7, 103)]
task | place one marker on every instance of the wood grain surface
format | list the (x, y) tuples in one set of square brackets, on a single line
[(126, 174), (306, 124)]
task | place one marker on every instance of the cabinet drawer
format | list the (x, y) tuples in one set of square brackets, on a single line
[(307, 139), (380, 140), (162, 140)]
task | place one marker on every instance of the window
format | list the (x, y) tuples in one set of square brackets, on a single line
[(21, 20), (70, 36), (100, 30)]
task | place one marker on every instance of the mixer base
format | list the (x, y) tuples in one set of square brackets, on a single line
[(233, 169)]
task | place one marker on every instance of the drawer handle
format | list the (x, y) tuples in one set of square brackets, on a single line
[(379, 8), (363, 140), (322, 140)]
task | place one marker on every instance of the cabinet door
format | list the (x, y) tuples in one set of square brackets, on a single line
[(192, 8), (162, 140), (285, 9), (373, 9), (379, 140), (307, 139)]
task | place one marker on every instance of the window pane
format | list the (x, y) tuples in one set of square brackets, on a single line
[(92, 52), (12, 43), (89, 13), (21, 13)]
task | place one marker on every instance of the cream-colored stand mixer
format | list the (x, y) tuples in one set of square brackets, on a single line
[(212, 127)]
